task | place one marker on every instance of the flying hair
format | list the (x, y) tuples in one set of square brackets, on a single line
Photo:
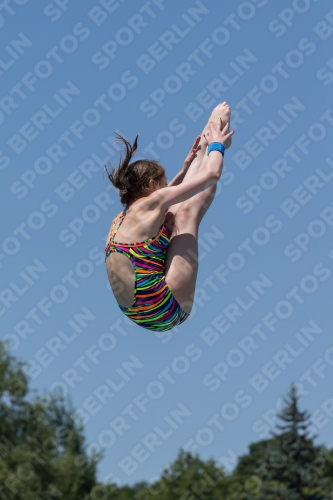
[(132, 179)]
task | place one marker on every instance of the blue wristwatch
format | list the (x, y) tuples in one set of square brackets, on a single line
[(216, 146)]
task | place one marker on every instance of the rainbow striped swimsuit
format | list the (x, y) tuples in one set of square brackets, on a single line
[(154, 307)]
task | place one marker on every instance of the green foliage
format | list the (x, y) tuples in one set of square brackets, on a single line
[(191, 477), (290, 465), (42, 452), (43, 457), (291, 457)]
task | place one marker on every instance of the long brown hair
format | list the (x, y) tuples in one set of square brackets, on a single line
[(132, 179)]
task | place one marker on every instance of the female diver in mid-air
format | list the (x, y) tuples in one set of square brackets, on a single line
[(154, 281)]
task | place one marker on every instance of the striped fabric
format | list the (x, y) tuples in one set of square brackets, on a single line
[(154, 307)]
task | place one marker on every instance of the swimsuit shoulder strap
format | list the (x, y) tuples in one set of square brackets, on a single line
[(120, 218)]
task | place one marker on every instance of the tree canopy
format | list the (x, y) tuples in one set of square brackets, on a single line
[(43, 456)]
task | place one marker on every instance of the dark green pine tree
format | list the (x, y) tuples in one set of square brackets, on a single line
[(290, 465)]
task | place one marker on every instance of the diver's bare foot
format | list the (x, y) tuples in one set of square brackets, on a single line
[(222, 111)]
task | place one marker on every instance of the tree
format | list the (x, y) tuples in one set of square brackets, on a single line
[(190, 478), (42, 451), (43, 457), (291, 456)]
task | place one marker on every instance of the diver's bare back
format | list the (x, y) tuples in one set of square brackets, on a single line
[(142, 222)]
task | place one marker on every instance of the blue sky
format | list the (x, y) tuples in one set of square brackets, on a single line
[(73, 75)]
